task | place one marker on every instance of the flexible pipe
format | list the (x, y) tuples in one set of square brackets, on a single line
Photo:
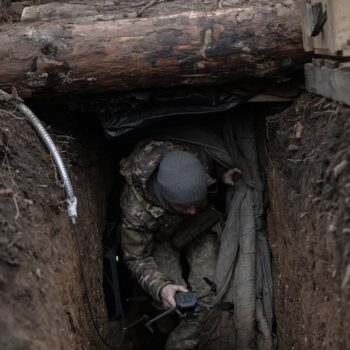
[(48, 142)]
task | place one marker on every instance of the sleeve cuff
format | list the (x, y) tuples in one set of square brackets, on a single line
[(157, 286)]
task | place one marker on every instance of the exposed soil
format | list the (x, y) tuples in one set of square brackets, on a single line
[(309, 223), (42, 300)]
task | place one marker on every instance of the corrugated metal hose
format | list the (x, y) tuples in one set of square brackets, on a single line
[(48, 142), (57, 159)]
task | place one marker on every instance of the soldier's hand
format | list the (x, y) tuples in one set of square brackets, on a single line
[(230, 176), (168, 292)]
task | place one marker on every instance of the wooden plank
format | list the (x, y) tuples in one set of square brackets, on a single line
[(269, 98), (339, 24), (335, 36), (333, 83), (307, 39)]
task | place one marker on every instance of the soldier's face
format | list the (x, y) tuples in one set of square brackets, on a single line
[(189, 208)]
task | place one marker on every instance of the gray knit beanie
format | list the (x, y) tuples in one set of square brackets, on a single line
[(181, 178)]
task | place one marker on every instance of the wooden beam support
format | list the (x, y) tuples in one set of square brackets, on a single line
[(329, 79), (100, 53)]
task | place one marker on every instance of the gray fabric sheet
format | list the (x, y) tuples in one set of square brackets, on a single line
[(244, 262)]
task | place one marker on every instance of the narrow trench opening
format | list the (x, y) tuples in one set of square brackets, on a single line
[(304, 156), (123, 299), (302, 142)]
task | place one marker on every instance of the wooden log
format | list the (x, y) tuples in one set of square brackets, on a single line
[(57, 11), (54, 11), (101, 53)]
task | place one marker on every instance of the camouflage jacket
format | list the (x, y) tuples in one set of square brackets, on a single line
[(144, 221)]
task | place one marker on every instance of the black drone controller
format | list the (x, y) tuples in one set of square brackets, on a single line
[(186, 305), (186, 302)]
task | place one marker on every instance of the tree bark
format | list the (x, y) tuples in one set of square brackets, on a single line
[(55, 11), (100, 53), (58, 11)]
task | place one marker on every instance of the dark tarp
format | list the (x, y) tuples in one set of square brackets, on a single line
[(243, 270), (121, 113)]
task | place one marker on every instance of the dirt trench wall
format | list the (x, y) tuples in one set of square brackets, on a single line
[(42, 300), (308, 172)]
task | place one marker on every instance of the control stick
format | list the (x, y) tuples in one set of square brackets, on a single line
[(186, 303)]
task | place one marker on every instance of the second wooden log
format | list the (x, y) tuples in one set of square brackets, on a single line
[(100, 53)]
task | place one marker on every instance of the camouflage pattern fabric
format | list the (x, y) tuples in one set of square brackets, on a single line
[(201, 256), (144, 222)]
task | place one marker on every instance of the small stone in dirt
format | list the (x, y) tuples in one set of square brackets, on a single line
[(28, 201), (38, 273), (332, 228), (339, 168), (293, 148), (298, 129)]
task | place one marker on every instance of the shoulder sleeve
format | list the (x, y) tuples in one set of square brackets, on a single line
[(137, 245)]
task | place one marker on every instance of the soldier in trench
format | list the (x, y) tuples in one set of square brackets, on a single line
[(166, 185)]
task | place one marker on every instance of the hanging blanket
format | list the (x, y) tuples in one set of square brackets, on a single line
[(243, 270)]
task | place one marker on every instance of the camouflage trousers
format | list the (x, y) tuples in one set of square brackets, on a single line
[(201, 256)]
